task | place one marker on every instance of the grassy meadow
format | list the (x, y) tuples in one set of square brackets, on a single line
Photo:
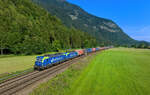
[(16, 63), (117, 71)]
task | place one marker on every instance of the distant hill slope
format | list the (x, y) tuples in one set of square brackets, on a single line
[(105, 31), (27, 28)]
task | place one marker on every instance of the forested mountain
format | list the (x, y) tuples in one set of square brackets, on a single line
[(26, 28), (105, 31)]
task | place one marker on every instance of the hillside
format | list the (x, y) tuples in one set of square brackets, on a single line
[(105, 31), (26, 28)]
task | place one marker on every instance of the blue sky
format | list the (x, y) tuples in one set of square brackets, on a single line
[(133, 16)]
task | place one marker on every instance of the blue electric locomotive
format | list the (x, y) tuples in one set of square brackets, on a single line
[(43, 62), (46, 61), (71, 55)]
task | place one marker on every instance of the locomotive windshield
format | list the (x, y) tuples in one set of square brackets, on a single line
[(39, 60)]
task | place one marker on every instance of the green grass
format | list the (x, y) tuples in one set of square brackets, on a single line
[(113, 72), (16, 63)]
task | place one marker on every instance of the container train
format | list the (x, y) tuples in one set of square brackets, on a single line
[(46, 61)]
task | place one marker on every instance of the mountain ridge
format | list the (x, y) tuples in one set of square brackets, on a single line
[(104, 30)]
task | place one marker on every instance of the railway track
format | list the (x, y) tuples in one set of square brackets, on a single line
[(14, 85), (16, 79)]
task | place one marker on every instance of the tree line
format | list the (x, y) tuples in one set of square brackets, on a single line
[(26, 28), (139, 44)]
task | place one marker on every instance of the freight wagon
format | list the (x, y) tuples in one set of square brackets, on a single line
[(80, 52)]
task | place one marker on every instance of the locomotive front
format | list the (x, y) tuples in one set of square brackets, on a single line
[(38, 62)]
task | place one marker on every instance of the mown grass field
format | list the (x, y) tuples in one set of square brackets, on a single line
[(113, 72), (16, 63)]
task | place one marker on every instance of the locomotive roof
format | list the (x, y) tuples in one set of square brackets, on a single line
[(53, 55)]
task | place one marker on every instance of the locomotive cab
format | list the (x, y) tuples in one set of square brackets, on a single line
[(38, 62)]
